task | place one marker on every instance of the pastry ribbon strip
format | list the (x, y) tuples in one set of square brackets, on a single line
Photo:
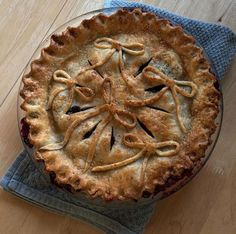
[(124, 117), (153, 74), (134, 49), (72, 87), (146, 150)]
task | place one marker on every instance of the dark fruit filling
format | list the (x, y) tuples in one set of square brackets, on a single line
[(25, 132), (73, 109)]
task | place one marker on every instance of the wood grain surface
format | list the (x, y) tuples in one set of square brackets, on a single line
[(207, 205)]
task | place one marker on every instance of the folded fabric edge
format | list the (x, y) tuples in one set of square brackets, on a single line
[(43, 200), (11, 184), (11, 170), (46, 201)]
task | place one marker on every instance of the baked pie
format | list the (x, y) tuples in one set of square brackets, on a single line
[(120, 104)]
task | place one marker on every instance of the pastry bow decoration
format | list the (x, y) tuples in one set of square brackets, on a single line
[(146, 149), (124, 117), (153, 74), (113, 112), (72, 87), (134, 49)]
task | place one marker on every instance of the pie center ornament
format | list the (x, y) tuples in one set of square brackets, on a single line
[(116, 113)]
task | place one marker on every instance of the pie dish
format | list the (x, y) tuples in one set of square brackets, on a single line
[(118, 105)]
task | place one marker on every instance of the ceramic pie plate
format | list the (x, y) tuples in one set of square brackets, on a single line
[(174, 183)]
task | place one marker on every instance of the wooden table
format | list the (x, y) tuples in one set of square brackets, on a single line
[(207, 205)]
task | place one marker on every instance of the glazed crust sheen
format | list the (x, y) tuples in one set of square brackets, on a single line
[(121, 183)]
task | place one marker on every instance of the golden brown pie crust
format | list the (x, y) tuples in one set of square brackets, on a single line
[(97, 64)]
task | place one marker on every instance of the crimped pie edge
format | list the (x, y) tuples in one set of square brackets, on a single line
[(204, 109)]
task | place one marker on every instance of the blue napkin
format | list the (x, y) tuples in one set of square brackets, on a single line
[(25, 180)]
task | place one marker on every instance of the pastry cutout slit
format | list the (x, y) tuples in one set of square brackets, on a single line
[(140, 70), (96, 70), (86, 108), (155, 89), (112, 142), (90, 132), (158, 108), (78, 85), (73, 109), (76, 109), (142, 125)]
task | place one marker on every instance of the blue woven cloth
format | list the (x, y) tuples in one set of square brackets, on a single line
[(25, 179)]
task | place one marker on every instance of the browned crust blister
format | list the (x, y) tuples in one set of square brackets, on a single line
[(205, 106)]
